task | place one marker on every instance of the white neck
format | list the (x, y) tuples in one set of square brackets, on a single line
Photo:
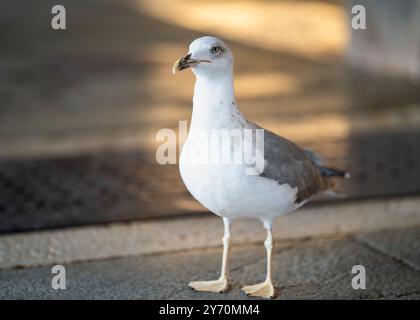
[(213, 102)]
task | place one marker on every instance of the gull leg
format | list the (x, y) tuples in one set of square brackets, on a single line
[(221, 284), (266, 288)]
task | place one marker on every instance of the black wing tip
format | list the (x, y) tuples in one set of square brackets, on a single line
[(329, 172)]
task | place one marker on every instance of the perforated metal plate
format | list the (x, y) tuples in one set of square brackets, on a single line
[(105, 187), (383, 164), (96, 188)]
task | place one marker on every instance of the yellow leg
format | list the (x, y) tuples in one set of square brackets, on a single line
[(221, 284), (264, 289)]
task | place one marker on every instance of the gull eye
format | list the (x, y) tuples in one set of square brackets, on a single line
[(215, 49)]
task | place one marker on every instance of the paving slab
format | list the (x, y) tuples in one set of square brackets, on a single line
[(317, 268), (200, 231), (403, 244)]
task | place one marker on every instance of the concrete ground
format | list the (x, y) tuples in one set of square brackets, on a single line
[(314, 254), (311, 268)]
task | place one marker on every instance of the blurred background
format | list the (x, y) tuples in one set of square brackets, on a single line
[(80, 108)]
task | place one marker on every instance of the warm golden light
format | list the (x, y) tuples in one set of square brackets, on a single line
[(265, 84), (310, 29)]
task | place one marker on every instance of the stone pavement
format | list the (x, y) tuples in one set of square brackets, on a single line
[(307, 268)]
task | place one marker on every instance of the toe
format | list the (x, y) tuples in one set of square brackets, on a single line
[(220, 285), (264, 290)]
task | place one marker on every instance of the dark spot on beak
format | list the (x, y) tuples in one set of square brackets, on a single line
[(184, 63)]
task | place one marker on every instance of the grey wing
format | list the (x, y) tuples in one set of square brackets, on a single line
[(287, 163)]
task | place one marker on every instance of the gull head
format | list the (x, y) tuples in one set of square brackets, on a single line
[(207, 57)]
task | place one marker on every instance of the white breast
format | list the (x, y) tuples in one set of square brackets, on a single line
[(228, 191)]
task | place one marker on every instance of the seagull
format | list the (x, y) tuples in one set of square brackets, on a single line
[(291, 175)]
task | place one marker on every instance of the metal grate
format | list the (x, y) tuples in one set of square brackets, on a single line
[(383, 164), (97, 188), (106, 187)]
